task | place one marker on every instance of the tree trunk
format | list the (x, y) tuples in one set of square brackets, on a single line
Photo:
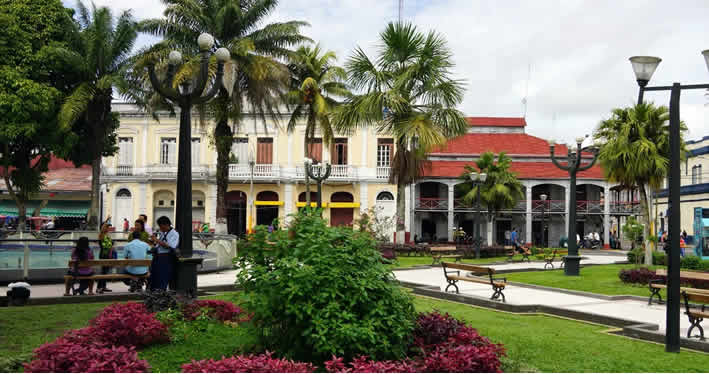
[(646, 229), (223, 139), (400, 212), (92, 215), (41, 206), (21, 215)]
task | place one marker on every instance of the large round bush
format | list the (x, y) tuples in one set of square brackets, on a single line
[(318, 291)]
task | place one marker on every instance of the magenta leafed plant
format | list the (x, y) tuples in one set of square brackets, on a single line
[(434, 328), (129, 324), (65, 356), (263, 363), (639, 275), (466, 351), (363, 365), (217, 309)]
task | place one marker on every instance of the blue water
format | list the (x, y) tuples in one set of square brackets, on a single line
[(46, 257)]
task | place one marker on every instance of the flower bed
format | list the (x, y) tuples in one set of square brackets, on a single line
[(644, 275)]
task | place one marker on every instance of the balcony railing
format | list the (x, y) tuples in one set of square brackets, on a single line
[(383, 172), (625, 207), (336, 171), (261, 171), (124, 170), (432, 203), (549, 205)]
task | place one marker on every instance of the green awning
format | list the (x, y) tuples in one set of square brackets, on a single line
[(54, 208)]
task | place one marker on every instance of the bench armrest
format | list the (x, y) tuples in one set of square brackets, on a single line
[(657, 281), (500, 279), (453, 271)]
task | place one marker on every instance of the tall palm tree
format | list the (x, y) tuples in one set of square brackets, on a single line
[(501, 189), (315, 83), (408, 92), (635, 151), (104, 50), (254, 75)]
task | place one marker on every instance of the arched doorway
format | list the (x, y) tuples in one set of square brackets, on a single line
[(302, 198), (163, 205), (386, 208), (266, 214), (236, 212), (341, 216), (124, 208)]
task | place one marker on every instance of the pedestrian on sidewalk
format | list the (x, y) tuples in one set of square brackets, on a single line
[(126, 225)]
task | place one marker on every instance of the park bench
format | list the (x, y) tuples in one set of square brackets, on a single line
[(439, 253), (696, 314), (561, 253), (526, 252), (139, 279), (658, 284), (479, 274)]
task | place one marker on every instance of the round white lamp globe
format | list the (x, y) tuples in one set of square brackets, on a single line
[(175, 58), (222, 54), (205, 42)]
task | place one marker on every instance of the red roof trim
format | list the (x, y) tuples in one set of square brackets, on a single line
[(524, 170), (497, 121)]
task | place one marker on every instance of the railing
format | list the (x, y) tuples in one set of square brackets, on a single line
[(163, 170), (124, 170), (549, 205), (432, 203), (383, 172), (336, 171), (589, 206), (625, 207), (261, 171)]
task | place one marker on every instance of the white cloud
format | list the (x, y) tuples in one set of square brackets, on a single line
[(578, 51)]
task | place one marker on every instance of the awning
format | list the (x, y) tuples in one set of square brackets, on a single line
[(54, 208), (302, 204), (268, 203), (344, 205)]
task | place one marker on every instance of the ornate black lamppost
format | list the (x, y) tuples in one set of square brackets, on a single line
[(544, 202), (478, 179), (644, 67), (319, 173), (185, 97), (573, 166)]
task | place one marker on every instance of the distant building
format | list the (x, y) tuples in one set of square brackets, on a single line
[(67, 190)]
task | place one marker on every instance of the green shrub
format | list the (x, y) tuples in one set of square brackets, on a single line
[(704, 265), (659, 258), (636, 256), (317, 291), (690, 263)]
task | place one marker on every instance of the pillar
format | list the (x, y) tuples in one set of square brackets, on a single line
[(363, 197), (567, 203), (451, 214), (489, 225), (143, 200), (210, 209), (288, 199), (606, 217), (528, 215), (408, 216)]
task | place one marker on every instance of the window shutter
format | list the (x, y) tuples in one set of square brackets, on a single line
[(264, 151), (315, 150), (195, 151), (172, 153)]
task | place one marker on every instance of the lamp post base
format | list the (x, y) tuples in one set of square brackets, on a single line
[(572, 265), (186, 277)]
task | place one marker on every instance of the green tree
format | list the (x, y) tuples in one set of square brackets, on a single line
[(634, 151), (254, 75), (105, 46), (501, 189), (35, 71), (315, 82), (408, 92)]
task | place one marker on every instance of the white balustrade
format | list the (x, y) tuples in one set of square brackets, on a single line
[(124, 170), (383, 172), (261, 171)]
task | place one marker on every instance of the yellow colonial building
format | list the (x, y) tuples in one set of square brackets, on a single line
[(266, 175)]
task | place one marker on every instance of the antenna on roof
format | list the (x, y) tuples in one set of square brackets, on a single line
[(526, 90)]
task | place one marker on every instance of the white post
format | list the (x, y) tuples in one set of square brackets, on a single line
[(606, 217), (26, 262), (451, 214), (363, 197), (528, 221), (288, 198), (211, 213), (567, 202)]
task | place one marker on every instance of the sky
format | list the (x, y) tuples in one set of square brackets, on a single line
[(568, 58)]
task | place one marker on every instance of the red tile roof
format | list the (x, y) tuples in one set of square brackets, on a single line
[(64, 180), (497, 121), (512, 144), (524, 170)]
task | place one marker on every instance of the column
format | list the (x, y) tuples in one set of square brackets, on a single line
[(451, 214), (606, 217), (411, 223), (567, 206), (288, 199), (290, 148), (210, 208), (143, 201), (528, 220), (489, 226), (407, 215), (363, 197)]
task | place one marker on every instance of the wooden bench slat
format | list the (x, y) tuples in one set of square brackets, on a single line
[(699, 297), (699, 313), (111, 263), (473, 268), (685, 274)]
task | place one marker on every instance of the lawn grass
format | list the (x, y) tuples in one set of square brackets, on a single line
[(402, 262), (600, 279), (550, 344), (533, 342)]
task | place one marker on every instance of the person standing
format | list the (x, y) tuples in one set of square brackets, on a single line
[(507, 237), (126, 225), (105, 253), (139, 228), (146, 224), (166, 242)]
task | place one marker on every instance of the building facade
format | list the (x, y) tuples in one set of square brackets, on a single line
[(266, 174)]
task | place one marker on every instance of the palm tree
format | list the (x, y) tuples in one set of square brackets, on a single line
[(315, 79), (254, 76), (105, 44), (634, 151), (407, 92), (501, 189)]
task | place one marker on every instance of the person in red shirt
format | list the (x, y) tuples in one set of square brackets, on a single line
[(126, 225)]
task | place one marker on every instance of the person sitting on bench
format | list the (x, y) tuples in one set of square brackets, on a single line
[(136, 249), (82, 252)]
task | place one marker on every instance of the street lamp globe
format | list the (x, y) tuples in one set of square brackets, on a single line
[(551, 142), (644, 67), (205, 42), (580, 140), (706, 57), (222, 54), (175, 58), (483, 177), (543, 197)]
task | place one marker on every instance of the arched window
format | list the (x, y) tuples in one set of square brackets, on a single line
[(385, 195), (302, 197), (267, 196), (342, 197), (123, 192)]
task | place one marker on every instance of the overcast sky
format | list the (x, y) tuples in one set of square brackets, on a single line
[(576, 51)]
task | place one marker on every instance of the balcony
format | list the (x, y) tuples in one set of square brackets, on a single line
[(551, 206), (432, 203), (337, 172), (261, 171), (124, 170), (625, 207), (383, 172)]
